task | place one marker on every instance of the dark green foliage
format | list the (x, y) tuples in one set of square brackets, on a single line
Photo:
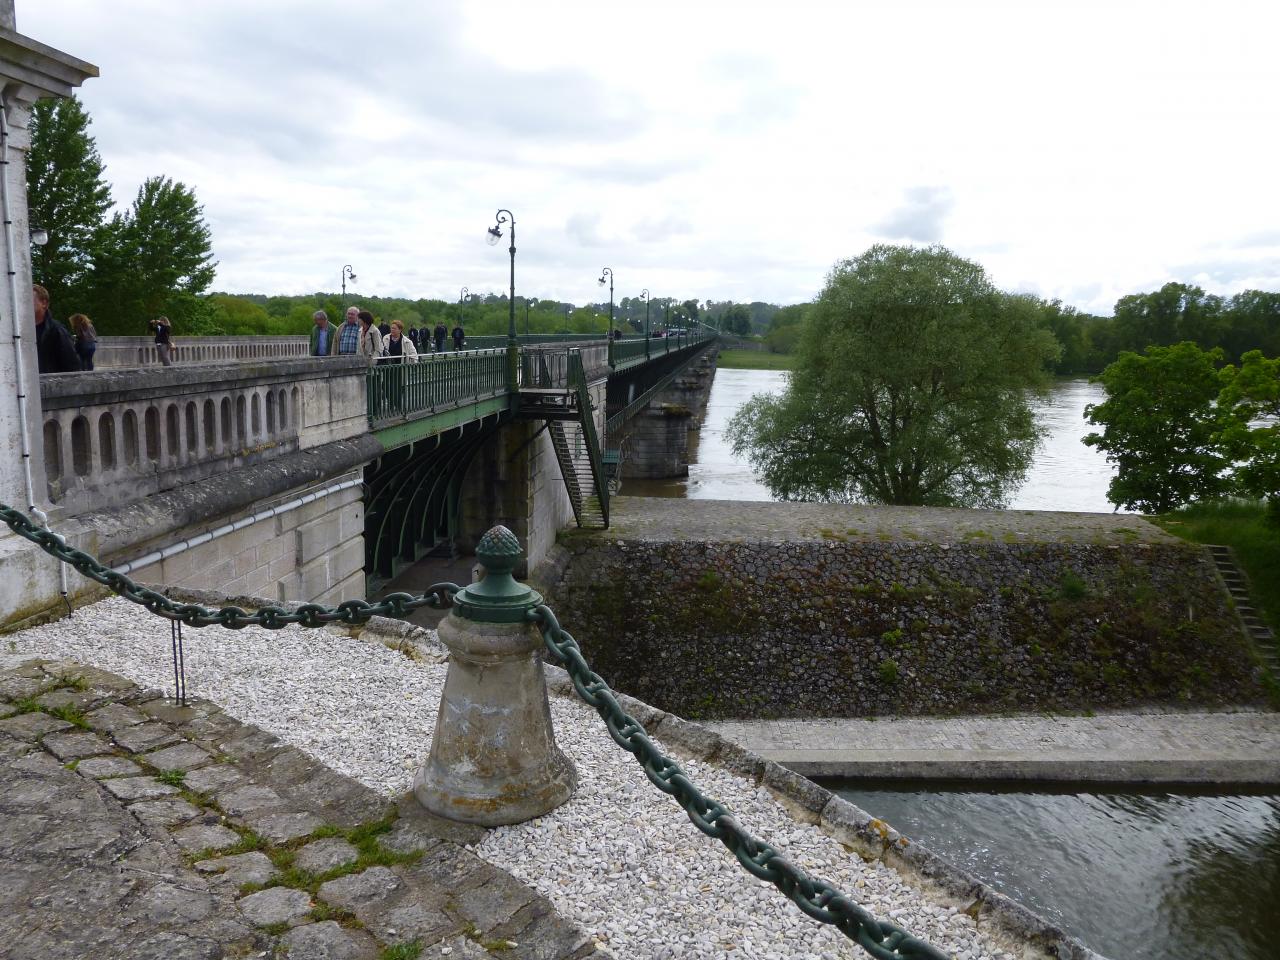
[(1251, 437), (911, 388), (67, 196), (1161, 424)]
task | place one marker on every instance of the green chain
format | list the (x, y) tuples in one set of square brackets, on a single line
[(352, 612), (817, 898)]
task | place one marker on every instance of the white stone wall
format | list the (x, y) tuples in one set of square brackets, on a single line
[(314, 553)]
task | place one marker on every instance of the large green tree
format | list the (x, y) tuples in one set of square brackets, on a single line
[(912, 387), (67, 196), (1251, 436), (1162, 427), (156, 259)]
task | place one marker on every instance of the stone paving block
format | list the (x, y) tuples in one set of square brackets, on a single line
[(343, 801), (165, 813), (693, 738), (206, 836), (145, 736), (94, 679), (539, 933), (291, 766), (113, 717), (250, 743), (253, 867), (7, 710), (130, 789), (496, 901), (249, 798), (328, 941), (20, 688), (32, 726), (321, 856), (167, 711), (275, 905), (213, 778), (82, 700), (183, 756), (172, 904), (418, 829), (212, 728), (416, 919), (360, 892), (451, 867), (75, 745), (97, 767), (283, 827), (176, 946)]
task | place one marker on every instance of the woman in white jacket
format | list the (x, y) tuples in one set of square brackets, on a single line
[(397, 348)]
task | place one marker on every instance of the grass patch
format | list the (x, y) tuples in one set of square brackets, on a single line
[(343, 918), (755, 360), (26, 705), (1241, 525), (71, 715), (173, 778), (410, 950)]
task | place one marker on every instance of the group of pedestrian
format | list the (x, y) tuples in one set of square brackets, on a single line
[(60, 351), (359, 336)]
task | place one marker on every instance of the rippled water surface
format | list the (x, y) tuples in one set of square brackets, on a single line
[(1147, 876), (1066, 474)]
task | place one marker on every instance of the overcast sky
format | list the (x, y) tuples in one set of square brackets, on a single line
[(717, 150)]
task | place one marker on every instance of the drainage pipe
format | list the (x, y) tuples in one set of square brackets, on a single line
[(184, 545), (19, 371)]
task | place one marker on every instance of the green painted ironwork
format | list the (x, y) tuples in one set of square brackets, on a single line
[(614, 423), (397, 391), (815, 897), (398, 434), (578, 383), (498, 597)]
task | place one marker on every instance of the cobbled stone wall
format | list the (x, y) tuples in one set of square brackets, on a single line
[(844, 628)]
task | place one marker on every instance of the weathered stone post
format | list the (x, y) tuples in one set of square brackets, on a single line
[(494, 758)]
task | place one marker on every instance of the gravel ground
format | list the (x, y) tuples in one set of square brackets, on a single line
[(620, 857)]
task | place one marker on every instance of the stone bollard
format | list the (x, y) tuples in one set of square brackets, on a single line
[(494, 758)]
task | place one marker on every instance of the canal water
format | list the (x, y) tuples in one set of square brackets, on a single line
[(1151, 876), (1066, 475)]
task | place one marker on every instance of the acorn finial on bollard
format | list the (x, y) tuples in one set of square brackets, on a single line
[(494, 758)]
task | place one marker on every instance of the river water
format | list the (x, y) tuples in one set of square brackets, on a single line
[(1148, 876), (1066, 475)]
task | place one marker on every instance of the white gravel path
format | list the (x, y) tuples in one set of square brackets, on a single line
[(620, 857)]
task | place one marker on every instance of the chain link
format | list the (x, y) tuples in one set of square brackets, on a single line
[(352, 612), (815, 897)]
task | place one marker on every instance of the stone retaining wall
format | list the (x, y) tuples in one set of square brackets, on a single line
[(845, 628)]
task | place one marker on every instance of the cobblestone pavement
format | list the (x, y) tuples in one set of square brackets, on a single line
[(1240, 747), (135, 828), (647, 518)]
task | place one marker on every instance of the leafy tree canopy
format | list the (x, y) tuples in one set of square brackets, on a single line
[(1161, 427), (67, 196), (911, 388)]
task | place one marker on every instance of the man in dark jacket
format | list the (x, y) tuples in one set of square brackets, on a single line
[(459, 337), (55, 352), (440, 332)]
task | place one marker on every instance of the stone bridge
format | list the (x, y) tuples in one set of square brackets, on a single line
[(248, 469)]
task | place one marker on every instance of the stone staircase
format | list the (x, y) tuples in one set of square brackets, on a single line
[(1264, 639)]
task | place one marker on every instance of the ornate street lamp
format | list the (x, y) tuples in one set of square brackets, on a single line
[(644, 295), (462, 299), (347, 274), (527, 301), (607, 272), (39, 236), (495, 234)]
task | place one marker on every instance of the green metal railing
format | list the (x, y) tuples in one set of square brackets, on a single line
[(437, 381), (578, 383)]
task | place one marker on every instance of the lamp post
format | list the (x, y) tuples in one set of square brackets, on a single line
[(462, 298), (644, 295), (495, 234), (607, 272), (527, 301), (666, 320), (347, 274), (566, 318)]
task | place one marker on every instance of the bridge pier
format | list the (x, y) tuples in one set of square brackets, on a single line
[(659, 434)]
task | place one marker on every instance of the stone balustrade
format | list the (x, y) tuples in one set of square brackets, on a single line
[(116, 352), (113, 437)]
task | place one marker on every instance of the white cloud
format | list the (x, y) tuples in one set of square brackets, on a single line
[(714, 150)]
